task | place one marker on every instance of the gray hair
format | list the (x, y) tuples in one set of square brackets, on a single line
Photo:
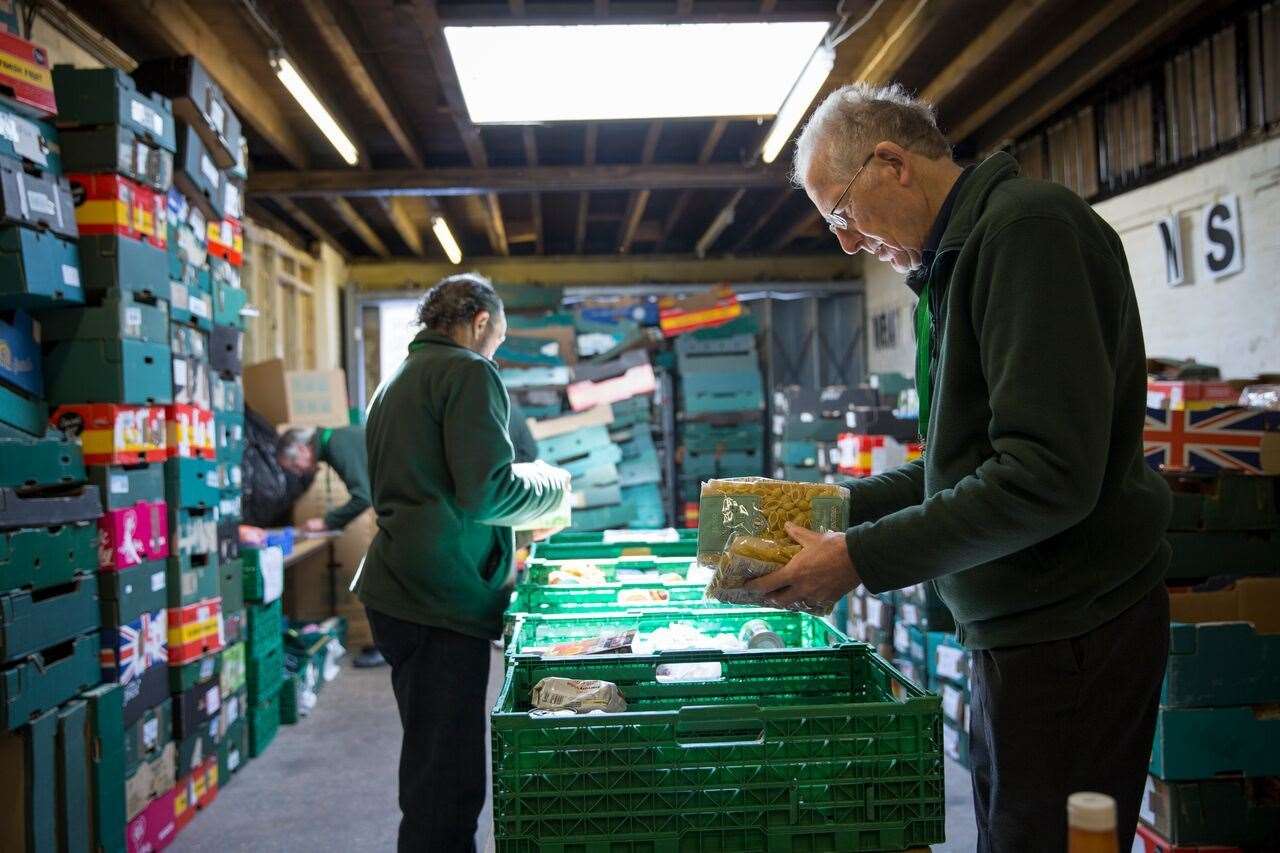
[(853, 119), (291, 442)]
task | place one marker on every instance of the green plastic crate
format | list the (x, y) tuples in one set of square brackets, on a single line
[(599, 537), (266, 622), (537, 571), (532, 632), (595, 599), (796, 749), (683, 547), (264, 722), (265, 672)]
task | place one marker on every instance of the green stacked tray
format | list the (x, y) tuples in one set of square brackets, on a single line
[(596, 537), (537, 598), (537, 571), (608, 550), (795, 749), (533, 632)]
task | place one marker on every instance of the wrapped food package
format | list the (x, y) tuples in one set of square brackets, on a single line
[(577, 696)]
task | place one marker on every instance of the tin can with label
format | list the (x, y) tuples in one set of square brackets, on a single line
[(757, 634)]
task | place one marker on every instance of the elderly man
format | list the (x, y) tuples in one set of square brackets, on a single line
[(1032, 509)]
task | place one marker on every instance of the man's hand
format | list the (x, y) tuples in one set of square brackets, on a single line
[(314, 525), (819, 575)]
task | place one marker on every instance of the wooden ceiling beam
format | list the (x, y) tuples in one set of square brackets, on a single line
[(765, 217), (180, 29), (510, 179), (899, 38), (993, 37), (639, 199), (308, 222), (393, 207), (568, 270), (356, 223), (682, 201), (535, 200), (427, 18), (795, 230), (1094, 62), (337, 26), (1045, 62), (584, 199), (568, 14)]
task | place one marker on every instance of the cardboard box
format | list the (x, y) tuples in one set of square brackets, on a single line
[(118, 315), (190, 432), (194, 631), (155, 828), (37, 200), (36, 558), (106, 765), (99, 371), (131, 650), (39, 269), (296, 397), (117, 148), (114, 434), (1227, 438), (46, 457), (566, 338), (31, 622), (197, 100), (152, 779), (226, 235), (25, 76), (133, 535), (552, 427), (28, 764), (113, 205), (677, 315)]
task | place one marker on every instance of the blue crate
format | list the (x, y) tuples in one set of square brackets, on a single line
[(647, 501), (603, 518), (573, 445), (640, 469)]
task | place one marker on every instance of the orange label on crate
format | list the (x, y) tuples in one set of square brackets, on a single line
[(192, 632)]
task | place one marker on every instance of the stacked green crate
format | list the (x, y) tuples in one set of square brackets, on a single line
[(1215, 755), (264, 643)]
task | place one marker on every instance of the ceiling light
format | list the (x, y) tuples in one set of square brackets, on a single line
[(441, 229), (797, 103), (528, 74), (319, 114)]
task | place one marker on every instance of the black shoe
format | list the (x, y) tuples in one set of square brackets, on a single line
[(368, 658)]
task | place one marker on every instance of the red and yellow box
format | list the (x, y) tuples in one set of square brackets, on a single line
[(196, 791), (193, 631), (868, 455), (25, 76), (226, 240), (1188, 395), (115, 433), (110, 204), (190, 432), (702, 311)]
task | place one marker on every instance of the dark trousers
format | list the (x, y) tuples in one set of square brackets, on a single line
[(1049, 719), (439, 678)]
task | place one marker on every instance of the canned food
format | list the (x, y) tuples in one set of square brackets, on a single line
[(757, 634)]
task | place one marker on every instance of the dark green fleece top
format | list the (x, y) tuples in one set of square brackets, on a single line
[(343, 449), (1032, 507), (444, 492)]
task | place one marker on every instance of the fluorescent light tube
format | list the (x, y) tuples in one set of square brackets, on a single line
[(797, 103), (319, 114), (599, 72), (441, 229)]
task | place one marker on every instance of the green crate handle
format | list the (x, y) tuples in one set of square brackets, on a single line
[(700, 726)]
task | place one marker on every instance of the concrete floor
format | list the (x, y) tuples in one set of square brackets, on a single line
[(329, 783)]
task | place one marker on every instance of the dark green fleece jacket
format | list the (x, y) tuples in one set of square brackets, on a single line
[(1032, 507), (343, 449), (444, 492)]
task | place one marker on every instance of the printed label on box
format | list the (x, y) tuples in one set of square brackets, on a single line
[(199, 307), (157, 581), (178, 295), (217, 116), (952, 702), (146, 116), (210, 170), (952, 663), (1145, 811), (119, 484), (150, 733), (70, 275), (41, 203)]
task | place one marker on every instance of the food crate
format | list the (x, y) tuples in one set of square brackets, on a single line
[(603, 518), (639, 470), (538, 570), (668, 534), (264, 722), (794, 749), (533, 632), (683, 547), (646, 500), (616, 596), (1199, 743), (1221, 663)]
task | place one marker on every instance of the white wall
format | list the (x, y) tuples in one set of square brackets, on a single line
[(1233, 322)]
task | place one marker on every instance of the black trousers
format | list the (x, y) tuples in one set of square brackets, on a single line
[(439, 678), (1049, 719)]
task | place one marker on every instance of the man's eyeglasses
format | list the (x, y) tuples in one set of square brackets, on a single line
[(835, 222)]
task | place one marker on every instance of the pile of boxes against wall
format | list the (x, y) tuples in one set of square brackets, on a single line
[(587, 386), (1215, 765), (120, 427)]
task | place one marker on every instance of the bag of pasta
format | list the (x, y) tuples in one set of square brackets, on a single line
[(750, 557), (760, 507)]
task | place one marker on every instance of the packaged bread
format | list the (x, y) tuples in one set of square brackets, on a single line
[(758, 509)]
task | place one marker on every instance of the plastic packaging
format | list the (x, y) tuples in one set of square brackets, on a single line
[(748, 558), (759, 508), (579, 696)]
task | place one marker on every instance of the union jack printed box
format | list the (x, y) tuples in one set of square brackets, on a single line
[(130, 650), (1227, 438)]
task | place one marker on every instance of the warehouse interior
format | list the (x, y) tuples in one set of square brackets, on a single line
[(221, 223)]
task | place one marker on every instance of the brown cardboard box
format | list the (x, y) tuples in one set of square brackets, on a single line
[(152, 779), (1255, 600), (565, 424), (296, 397), (307, 594)]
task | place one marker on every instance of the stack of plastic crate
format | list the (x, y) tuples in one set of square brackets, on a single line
[(264, 642), (721, 406), (701, 726)]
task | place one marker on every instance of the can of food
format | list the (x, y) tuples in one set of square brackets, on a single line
[(757, 634)]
